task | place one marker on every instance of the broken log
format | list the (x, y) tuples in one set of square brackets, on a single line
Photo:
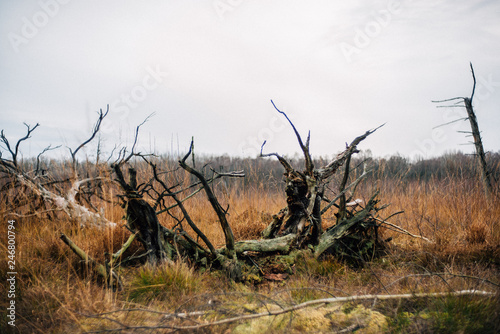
[(109, 276)]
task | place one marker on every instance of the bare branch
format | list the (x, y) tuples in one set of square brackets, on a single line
[(447, 100), (457, 120), (221, 214), (137, 136), (184, 212), (474, 86), (282, 160), (122, 155), (305, 148), (402, 230), (92, 136), (331, 168), (239, 173), (15, 152), (48, 148), (453, 106), (209, 181), (35, 214)]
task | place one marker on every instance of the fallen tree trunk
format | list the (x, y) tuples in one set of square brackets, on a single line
[(55, 199), (359, 223), (280, 244)]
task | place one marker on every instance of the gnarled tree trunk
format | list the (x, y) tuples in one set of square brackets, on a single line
[(304, 196)]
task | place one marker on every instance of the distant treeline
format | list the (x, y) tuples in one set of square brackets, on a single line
[(451, 165), (266, 174)]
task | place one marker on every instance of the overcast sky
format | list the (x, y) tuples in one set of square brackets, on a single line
[(209, 69)]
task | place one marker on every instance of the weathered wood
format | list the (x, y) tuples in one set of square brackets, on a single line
[(122, 250), (341, 229), (304, 194), (478, 143), (221, 213), (66, 203), (341, 214), (280, 244), (330, 169), (476, 134), (141, 218), (298, 225), (271, 231), (316, 217), (111, 278)]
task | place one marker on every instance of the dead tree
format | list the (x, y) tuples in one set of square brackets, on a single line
[(221, 213), (161, 243), (36, 186), (476, 134), (296, 226), (301, 219)]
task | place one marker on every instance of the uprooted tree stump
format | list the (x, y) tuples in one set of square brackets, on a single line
[(355, 231)]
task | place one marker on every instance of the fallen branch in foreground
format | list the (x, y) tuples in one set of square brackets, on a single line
[(402, 230), (337, 300), (282, 311)]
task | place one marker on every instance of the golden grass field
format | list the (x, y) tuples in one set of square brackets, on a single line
[(57, 293)]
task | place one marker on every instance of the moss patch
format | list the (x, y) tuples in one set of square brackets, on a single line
[(323, 319)]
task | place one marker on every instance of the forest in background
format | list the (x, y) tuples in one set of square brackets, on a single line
[(266, 173)]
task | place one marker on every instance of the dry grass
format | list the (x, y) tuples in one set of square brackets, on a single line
[(56, 292)]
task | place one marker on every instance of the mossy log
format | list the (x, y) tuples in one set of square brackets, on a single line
[(109, 276), (280, 244)]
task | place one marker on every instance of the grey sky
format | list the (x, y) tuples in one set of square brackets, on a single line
[(208, 69)]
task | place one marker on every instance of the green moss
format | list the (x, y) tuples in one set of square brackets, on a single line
[(253, 278), (453, 314), (324, 319), (470, 315), (370, 321), (401, 322), (311, 320), (348, 307)]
